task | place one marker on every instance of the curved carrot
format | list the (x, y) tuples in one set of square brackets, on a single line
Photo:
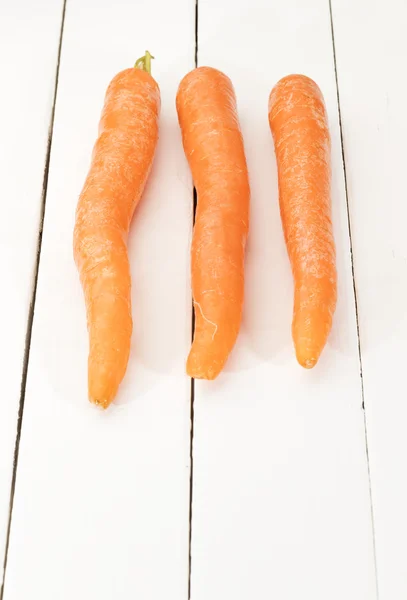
[(213, 145), (298, 122), (121, 162)]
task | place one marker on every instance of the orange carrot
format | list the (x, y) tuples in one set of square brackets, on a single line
[(121, 161), (213, 145), (298, 122)]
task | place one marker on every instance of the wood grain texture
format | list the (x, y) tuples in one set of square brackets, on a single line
[(29, 36), (101, 506), (281, 505), (371, 48)]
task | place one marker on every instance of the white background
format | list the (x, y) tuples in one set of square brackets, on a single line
[(298, 477)]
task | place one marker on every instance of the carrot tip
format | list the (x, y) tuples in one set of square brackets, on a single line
[(201, 374), (103, 404), (311, 362), (201, 369), (100, 395), (307, 363)]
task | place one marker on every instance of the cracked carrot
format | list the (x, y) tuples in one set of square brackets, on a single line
[(299, 126), (121, 161), (213, 145)]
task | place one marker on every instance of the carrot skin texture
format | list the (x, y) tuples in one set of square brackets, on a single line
[(121, 161), (299, 126), (213, 145)]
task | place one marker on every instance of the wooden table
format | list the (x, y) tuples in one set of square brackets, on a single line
[(272, 482)]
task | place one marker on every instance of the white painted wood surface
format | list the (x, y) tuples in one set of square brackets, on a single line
[(102, 499), (29, 35), (281, 504), (371, 49)]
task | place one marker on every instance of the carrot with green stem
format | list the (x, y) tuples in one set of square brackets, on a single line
[(299, 126), (213, 145), (121, 161)]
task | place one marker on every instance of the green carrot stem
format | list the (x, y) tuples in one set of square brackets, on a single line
[(144, 62)]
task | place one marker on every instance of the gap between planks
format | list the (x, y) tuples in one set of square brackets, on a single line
[(31, 311), (354, 296), (192, 400)]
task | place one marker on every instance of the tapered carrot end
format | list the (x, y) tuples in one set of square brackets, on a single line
[(310, 333), (101, 394), (103, 403), (109, 346), (309, 341), (104, 378), (201, 365), (306, 361)]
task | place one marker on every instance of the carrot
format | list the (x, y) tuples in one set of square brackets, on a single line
[(121, 161), (213, 145), (299, 126)]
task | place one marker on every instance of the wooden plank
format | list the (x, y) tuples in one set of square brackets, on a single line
[(281, 505), (102, 499), (371, 47), (29, 36)]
